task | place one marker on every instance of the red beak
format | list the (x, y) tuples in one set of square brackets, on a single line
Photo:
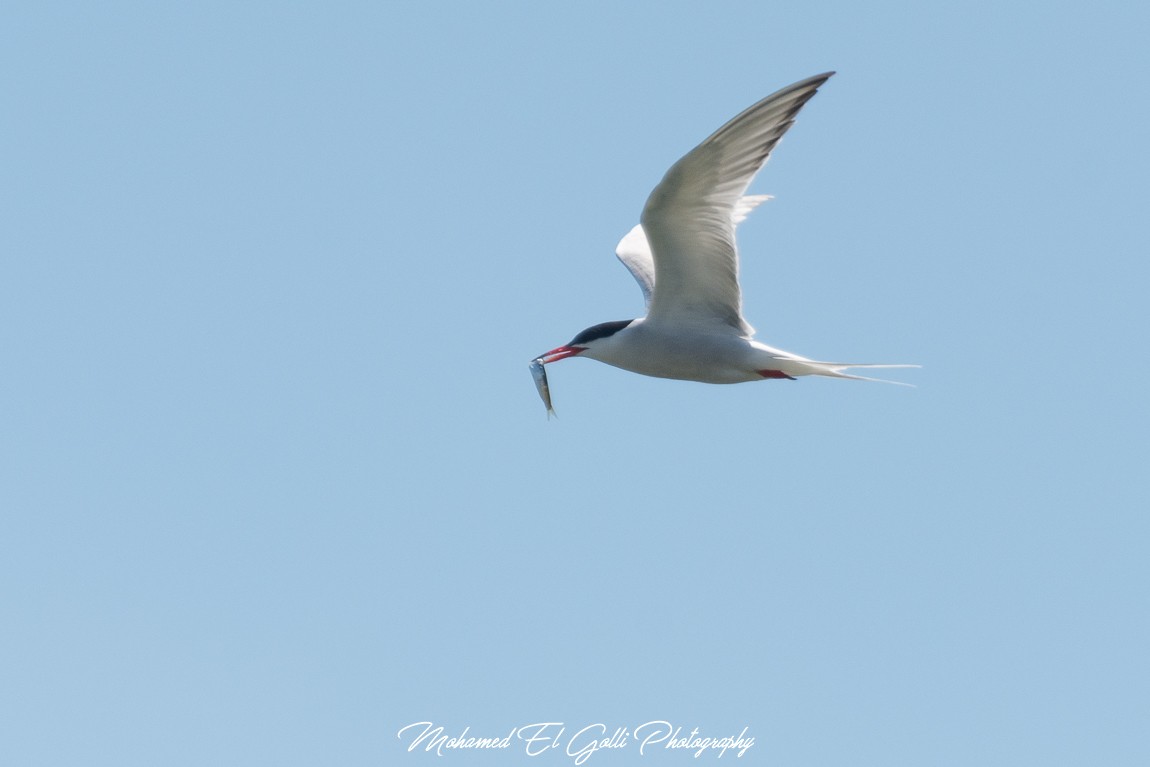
[(561, 353)]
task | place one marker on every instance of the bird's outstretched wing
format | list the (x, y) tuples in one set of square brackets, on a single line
[(635, 252), (688, 220)]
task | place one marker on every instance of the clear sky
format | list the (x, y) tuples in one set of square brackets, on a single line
[(275, 482)]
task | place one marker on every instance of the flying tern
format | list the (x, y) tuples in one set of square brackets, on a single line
[(684, 257)]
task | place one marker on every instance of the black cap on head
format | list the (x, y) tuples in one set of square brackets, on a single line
[(602, 330)]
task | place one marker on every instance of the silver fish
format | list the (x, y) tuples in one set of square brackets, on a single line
[(539, 373)]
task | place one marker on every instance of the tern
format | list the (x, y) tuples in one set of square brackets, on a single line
[(684, 257)]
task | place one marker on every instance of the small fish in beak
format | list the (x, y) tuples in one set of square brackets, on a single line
[(539, 373)]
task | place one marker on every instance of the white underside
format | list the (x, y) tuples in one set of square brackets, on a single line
[(711, 354)]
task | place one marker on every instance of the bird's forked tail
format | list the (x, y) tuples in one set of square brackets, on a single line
[(835, 370)]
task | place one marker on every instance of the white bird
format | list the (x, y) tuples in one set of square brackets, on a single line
[(684, 257)]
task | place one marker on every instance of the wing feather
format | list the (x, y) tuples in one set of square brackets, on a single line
[(635, 252), (689, 219)]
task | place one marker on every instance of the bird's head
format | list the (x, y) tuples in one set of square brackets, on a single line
[(591, 339)]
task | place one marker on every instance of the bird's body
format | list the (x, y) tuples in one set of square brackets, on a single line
[(684, 257), (706, 353)]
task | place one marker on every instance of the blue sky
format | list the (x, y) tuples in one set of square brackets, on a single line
[(276, 483)]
